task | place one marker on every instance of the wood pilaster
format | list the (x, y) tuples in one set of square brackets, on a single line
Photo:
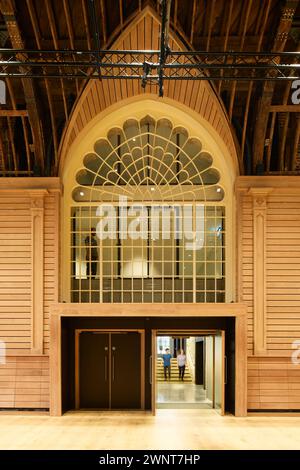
[(259, 196), (37, 270)]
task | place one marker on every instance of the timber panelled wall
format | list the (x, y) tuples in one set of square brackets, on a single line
[(268, 282), (268, 226), (29, 217)]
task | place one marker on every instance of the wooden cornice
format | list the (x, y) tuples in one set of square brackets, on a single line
[(30, 184)]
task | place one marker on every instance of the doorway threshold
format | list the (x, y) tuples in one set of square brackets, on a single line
[(184, 406)]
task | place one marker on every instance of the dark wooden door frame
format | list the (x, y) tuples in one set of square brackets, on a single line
[(191, 332), (237, 311), (109, 331)]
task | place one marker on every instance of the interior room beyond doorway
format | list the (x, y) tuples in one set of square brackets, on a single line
[(189, 371)]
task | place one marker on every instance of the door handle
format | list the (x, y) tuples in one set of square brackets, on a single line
[(150, 370), (113, 368), (225, 366), (105, 368)]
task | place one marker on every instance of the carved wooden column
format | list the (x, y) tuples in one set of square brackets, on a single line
[(37, 270), (259, 267)]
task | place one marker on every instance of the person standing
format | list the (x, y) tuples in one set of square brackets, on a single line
[(167, 363), (181, 362), (91, 254)]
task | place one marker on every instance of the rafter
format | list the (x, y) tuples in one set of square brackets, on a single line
[(210, 23), (103, 19), (264, 15), (9, 124), (13, 112), (175, 13), (228, 25), (270, 142), (281, 37), (54, 34), (285, 108), (244, 31), (7, 9), (34, 23), (86, 24), (285, 126), (121, 13), (296, 143), (193, 21), (2, 153), (70, 30)]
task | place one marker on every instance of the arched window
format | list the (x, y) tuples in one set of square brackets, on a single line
[(148, 218)]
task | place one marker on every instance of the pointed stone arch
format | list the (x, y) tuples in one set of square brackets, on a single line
[(197, 97)]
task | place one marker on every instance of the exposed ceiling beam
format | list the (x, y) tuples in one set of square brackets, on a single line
[(270, 142), (70, 32), (53, 29), (265, 101), (37, 34), (121, 13), (103, 18), (7, 9), (13, 112), (296, 144), (86, 24), (227, 22), (210, 23), (261, 33), (193, 21), (285, 108)]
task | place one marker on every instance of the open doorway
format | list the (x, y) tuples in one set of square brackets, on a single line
[(190, 370)]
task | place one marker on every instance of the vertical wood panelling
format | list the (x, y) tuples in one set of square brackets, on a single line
[(15, 271), (273, 378), (283, 272), (29, 277)]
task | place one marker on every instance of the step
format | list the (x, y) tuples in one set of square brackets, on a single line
[(160, 376)]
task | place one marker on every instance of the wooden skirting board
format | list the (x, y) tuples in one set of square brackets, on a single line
[(273, 383)]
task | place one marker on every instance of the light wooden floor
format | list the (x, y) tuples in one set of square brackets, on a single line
[(170, 429)]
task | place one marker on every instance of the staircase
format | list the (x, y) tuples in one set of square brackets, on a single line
[(174, 372)]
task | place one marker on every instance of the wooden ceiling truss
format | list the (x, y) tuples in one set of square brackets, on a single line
[(240, 47)]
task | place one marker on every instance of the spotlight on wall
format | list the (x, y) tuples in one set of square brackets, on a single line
[(81, 193)]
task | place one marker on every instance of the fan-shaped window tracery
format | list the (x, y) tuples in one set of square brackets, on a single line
[(155, 165), (148, 159)]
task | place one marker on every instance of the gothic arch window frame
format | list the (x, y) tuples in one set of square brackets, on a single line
[(135, 110)]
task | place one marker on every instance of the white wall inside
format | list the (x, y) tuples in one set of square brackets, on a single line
[(209, 367)]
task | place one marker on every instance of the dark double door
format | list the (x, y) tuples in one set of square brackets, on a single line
[(109, 370)]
